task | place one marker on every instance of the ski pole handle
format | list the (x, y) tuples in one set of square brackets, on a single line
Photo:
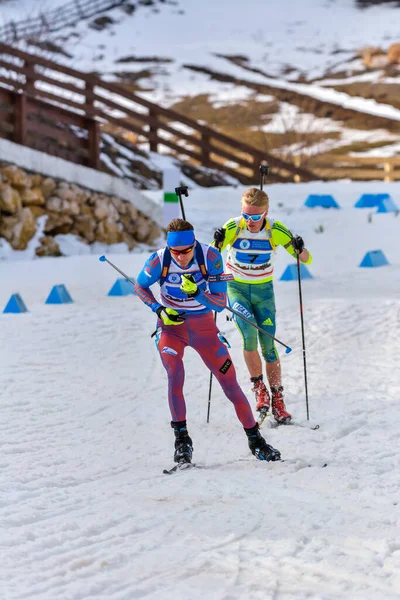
[(183, 189), (264, 172)]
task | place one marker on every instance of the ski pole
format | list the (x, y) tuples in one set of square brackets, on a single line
[(210, 385), (264, 172), (104, 259), (211, 375), (235, 312), (303, 336), (183, 189)]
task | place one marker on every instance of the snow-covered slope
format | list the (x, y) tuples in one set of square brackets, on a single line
[(172, 50), (311, 36), (87, 513)]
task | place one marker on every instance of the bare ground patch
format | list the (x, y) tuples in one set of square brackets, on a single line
[(384, 93), (349, 117)]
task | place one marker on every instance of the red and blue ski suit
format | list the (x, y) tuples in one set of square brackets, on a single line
[(198, 331)]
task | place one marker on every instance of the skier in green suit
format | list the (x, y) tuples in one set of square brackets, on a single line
[(251, 240)]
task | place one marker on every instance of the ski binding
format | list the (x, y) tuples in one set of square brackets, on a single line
[(264, 413)]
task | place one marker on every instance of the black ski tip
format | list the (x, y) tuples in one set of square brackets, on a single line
[(305, 425), (169, 471), (286, 421), (183, 466), (309, 465)]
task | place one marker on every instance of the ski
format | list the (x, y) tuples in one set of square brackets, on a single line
[(289, 461), (305, 425), (183, 466), (297, 424), (274, 424), (296, 461)]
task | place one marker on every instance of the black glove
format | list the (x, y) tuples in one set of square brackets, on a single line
[(298, 244), (219, 236)]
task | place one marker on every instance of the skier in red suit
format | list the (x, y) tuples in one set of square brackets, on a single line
[(192, 285)]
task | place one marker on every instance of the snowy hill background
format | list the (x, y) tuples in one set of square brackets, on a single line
[(312, 37), (286, 75)]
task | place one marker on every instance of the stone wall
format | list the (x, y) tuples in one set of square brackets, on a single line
[(91, 216)]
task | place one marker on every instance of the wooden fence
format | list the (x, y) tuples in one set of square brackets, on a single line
[(53, 20), (39, 125), (361, 168), (62, 111), (47, 105)]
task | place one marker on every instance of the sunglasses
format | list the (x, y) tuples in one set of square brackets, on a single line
[(254, 218), (184, 251)]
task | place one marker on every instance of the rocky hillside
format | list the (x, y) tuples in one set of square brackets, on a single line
[(68, 209)]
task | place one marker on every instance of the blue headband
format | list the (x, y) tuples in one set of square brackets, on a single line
[(180, 238)]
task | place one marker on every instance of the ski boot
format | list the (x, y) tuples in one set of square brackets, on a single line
[(259, 446), (183, 443), (263, 400), (278, 406)]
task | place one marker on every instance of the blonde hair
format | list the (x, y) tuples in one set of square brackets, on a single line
[(256, 197)]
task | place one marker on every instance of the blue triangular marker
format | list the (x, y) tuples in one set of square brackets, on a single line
[(15, 305), (312, 200), (370, 200), (290, 273), (59, 295), (324, 200), (374, 258), (387, 205), (122, 287)]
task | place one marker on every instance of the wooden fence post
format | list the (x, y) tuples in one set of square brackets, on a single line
[(93, 130), (388, 169), (257, 161), (89, 97), (297, 164), (153, 130), (20, 119), (45, 25), (30, 76), (14, 29), (205, 151)]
